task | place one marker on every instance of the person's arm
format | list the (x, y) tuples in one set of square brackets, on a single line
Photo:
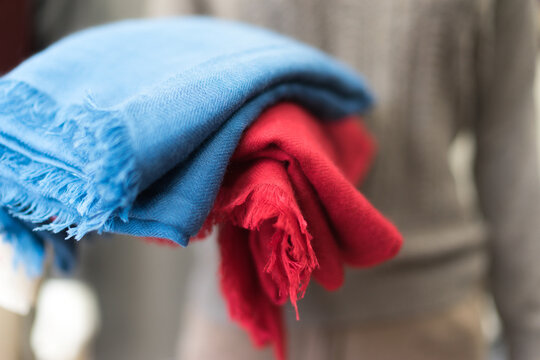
[(506, 171)]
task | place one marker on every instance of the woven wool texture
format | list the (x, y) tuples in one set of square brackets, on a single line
[(288, 211), (129, 127)]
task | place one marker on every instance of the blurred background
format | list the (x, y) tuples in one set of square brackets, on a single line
[(133, 293)]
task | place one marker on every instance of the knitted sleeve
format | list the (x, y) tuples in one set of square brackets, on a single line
[(506, 170)]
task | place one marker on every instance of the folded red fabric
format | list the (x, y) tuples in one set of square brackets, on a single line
[(288, 210)]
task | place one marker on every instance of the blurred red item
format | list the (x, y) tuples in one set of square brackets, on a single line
[(14, 33)]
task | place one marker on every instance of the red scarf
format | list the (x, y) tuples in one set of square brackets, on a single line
[(288, 209)]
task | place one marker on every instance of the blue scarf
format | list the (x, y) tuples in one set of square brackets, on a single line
[(128, 127)]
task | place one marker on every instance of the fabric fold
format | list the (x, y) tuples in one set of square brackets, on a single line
[(129, 127), (288, 210)]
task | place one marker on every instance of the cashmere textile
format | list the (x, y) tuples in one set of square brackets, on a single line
[(129, 127), (29, 247), (471, 65), (288, 209)]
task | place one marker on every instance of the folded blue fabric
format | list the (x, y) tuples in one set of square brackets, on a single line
[(29, 246), (129, 127)]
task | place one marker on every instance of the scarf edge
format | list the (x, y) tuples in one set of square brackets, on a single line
[(105, 185)]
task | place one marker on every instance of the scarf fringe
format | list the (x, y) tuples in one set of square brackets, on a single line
[(104, 187), (291, 258)]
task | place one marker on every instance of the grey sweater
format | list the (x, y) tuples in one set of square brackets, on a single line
[(439, 69)]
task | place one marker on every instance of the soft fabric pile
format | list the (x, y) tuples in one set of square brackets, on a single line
[(288, 210), (130, 127)]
